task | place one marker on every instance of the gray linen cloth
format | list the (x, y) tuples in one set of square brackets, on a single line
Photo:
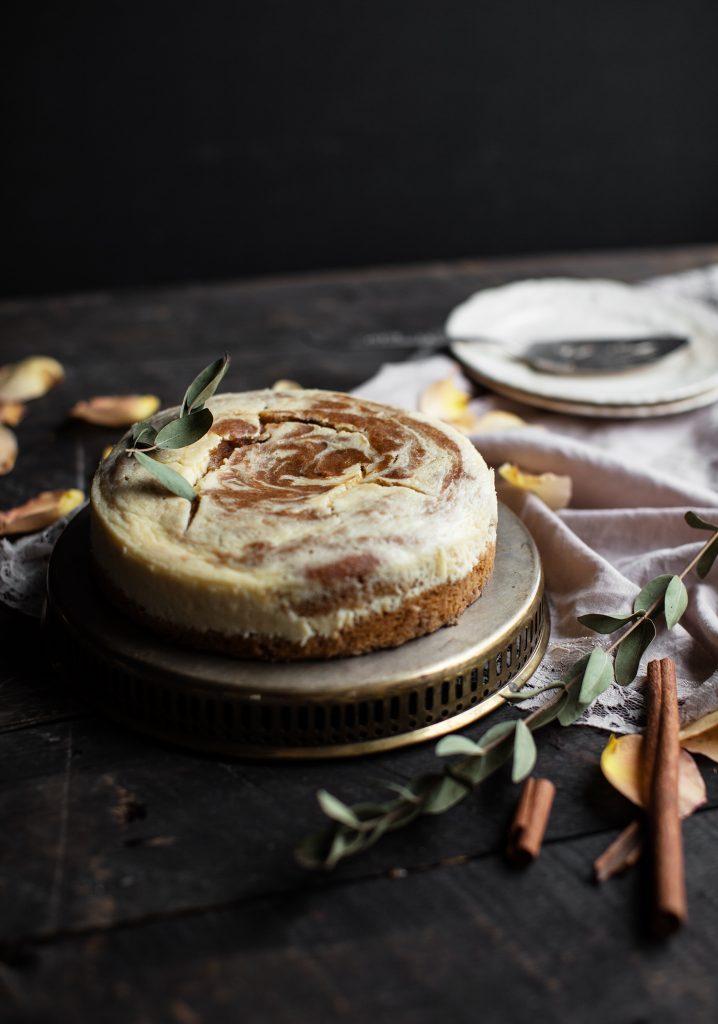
[(633, 481)]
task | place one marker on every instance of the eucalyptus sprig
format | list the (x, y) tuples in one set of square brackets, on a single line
[(193, 422), (356, 828)]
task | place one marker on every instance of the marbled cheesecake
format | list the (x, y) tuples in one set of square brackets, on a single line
[(324, 525)]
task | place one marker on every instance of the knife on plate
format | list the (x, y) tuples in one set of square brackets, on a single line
[(559, 356)]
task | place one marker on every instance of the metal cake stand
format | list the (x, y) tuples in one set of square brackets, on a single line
[(334, 708)]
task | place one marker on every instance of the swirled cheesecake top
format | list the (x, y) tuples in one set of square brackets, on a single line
[(304, 489)]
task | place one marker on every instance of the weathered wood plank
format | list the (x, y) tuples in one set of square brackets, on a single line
[(478, 941)]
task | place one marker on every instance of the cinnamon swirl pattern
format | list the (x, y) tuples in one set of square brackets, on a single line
[(324, 525)]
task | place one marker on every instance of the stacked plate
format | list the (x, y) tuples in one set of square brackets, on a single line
[(516, 315)]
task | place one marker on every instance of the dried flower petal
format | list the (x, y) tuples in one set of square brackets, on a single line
[(107, 450), (444, 400), (8, 450), (11, 413), (116, 410), (40, 511), (554, 491), (30, 378), (701, 736), (621, 765), (496, 420)]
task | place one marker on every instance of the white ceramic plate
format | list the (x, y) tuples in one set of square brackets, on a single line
[(557, 308)]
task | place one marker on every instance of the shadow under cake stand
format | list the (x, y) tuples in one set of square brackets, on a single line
[(334, 708)]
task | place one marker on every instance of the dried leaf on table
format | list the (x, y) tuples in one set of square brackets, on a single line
[(445, 401), (555, 491), (116, 410), (40, 511), (11, 413), (8, 450), (30, 378), (701, 736), (621, 765)]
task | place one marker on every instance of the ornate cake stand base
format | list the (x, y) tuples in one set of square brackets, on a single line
[(334, 708)]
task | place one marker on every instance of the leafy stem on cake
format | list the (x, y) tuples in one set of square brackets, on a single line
[(356, 828), (193, 422)]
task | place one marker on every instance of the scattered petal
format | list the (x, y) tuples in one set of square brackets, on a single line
[(496, 420), (40, 511), (444, 400), (621, 765), (116, 410), (30, 378), (286, 385), (11, 413), (553, 490), (8, 450), (106, 451), (701, 736)]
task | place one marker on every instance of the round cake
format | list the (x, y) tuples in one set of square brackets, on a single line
[(324, 525)]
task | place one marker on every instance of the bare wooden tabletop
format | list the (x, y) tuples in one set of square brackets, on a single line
[(143, 883)]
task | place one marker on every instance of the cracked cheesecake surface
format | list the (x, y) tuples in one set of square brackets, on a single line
[(323, 525)]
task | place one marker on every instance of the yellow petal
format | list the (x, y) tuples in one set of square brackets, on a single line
[(553, 490), (116, 410), (498, 419), (107, 450), (8, 450), (621, 765), (444, 400), (11, 413), (701, 736), (30, 378), (40, 511)]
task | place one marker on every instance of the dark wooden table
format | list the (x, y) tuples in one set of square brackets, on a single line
[(142, 883)]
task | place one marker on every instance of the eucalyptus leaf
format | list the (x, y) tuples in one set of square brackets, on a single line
[(698, 523), (314, 849), (517, 696), (631, 650), (550, 712), (184, 431), (524, 752), (570, 709), (606, 623), (143, 433), (496, 732), (597, 677), (675, 601), (445, 792), (450, 745), (705, 562), (167, 476), (204, 385), (653, 592), (334, 808)]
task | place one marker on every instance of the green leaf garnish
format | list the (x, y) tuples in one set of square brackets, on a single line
[(705, 562), (204, 385), (698, 522), (335, 809), (597, 678), (167, 476), (143, 433), (606, 623), (631, 650), (675, 601), (524, 752), (184, 431), (652, 593)]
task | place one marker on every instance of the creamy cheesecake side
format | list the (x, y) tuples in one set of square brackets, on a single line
[(324, 525)]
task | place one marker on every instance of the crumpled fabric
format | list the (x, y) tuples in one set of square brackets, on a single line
[(633, 481)]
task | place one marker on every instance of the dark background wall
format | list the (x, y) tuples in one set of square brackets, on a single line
[(157, 142)]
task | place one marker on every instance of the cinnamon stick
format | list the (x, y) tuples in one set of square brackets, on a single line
[(661, 755), (623, 853), (530, 820)]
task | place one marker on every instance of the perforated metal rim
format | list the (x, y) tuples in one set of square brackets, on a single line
[(207, 705)]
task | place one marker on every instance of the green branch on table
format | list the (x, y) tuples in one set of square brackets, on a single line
[(356, 828)]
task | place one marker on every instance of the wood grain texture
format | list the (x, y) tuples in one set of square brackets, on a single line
[(143, 883)]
